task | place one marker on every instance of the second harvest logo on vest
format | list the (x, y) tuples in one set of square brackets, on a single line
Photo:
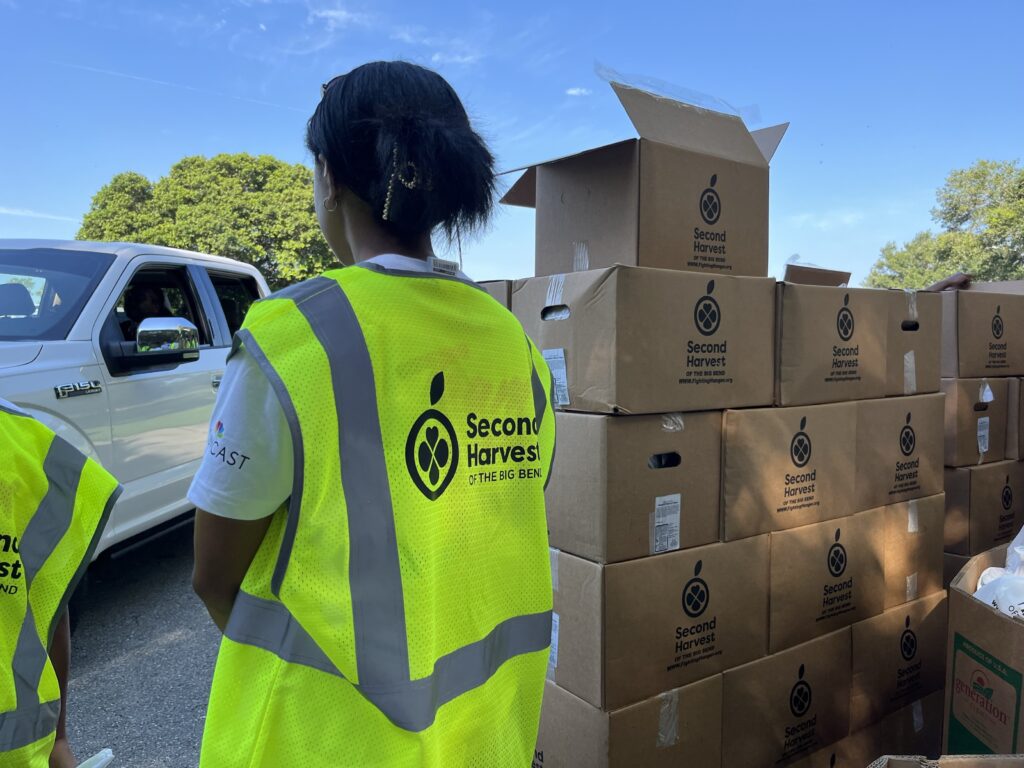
[(498, 448)]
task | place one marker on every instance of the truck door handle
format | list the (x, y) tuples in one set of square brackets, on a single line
[(215, 380)]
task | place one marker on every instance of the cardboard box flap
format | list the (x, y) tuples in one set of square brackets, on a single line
[(806, 274), (688, 127), (523, 191), (768, 139)]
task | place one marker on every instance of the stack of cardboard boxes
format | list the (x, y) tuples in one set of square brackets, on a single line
[(746, 506), (981, 358)]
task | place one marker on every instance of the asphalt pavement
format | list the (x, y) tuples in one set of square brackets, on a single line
[(142, 657)]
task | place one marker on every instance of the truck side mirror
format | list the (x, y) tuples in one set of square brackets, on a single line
[(167, 334)]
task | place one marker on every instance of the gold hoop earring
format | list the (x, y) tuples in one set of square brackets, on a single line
[(327, 207)]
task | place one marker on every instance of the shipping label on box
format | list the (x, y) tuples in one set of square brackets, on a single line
[(898, 657), (786, 467), (913, 534), (630, 340), (914, 343), (787, 706), (690, 194), (899, 449), (630, 630), (824, 577), (981, 334), (985, 659), (679, 727), (976, 415), (831, 343), (984, 506), (625, 487)]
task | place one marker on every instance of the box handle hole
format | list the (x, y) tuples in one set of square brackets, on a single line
[(555, 312), (981, 407), (910, 325), (664, 460)]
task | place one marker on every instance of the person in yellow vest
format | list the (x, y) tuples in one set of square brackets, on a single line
[(54, 503), (370, 534)]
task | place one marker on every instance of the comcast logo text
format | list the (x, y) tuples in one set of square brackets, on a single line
[(432, 449)]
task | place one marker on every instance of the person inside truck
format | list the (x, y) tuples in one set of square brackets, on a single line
[(381, 575), (140, 303)]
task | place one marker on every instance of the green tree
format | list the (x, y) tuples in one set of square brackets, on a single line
[(981, 211), (255, 209)]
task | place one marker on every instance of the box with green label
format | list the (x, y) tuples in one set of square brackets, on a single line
[(984, 670)]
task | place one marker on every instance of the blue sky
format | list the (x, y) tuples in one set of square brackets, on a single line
[(884, 98)]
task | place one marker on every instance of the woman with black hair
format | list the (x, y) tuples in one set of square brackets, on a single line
[(370, 530)]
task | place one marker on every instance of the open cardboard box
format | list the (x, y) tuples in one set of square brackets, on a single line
[(690, 193)]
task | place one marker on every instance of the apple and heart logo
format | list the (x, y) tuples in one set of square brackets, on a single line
[(800, 696), (696, 594), (908, 439), (837, 557), (800, 446), (997, 324), (432, 449), (1007, 495), (710, 203), (908, 642), (707, 315), (844, 320)]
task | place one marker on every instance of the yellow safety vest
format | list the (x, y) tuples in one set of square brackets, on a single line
[(398, 612), (54, 503)]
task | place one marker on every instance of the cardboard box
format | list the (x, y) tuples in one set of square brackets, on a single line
[(824, 577), (975, 421), (898, 658), (914, 343), (981, 334), (788, 706), (984, 506), (808, 274), (830, 343), (628, 631), (951, 566), (501, 290), (787, 467), (899, 449), (628, 340), (914, 729), (691, 193), (984, 668), (999, 286), (680, 727), (913, 533), (1014, 419), (630, 486)]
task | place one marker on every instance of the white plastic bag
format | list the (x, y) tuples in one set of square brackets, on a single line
[(101, 759), (1006, 594), (1015, 554), (991, 574)]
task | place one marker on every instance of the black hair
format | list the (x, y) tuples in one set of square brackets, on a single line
[(397, 135)]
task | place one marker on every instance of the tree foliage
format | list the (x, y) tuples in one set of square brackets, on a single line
[(981, 211), (255, 209)]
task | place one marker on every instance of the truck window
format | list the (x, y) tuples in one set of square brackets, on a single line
[(159, 292), (43, 290), (236, 294)]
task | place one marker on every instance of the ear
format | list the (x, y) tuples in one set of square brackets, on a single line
[(325, 173)]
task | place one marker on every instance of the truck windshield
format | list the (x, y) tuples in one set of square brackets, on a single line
[(43, 290)]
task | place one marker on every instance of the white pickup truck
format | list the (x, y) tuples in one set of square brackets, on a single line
[(120, 349)]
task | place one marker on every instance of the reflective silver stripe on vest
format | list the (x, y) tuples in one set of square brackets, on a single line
[(27, 724), (375, 575), (63, 468), (411, 704)]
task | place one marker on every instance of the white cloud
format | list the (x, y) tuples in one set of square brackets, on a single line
[(338, 18), (9, 4), (839, 218), (577, 91), (26, 213), (263, 27), (454, 58)]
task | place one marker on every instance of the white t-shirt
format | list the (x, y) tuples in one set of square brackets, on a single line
[(247, 469)]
